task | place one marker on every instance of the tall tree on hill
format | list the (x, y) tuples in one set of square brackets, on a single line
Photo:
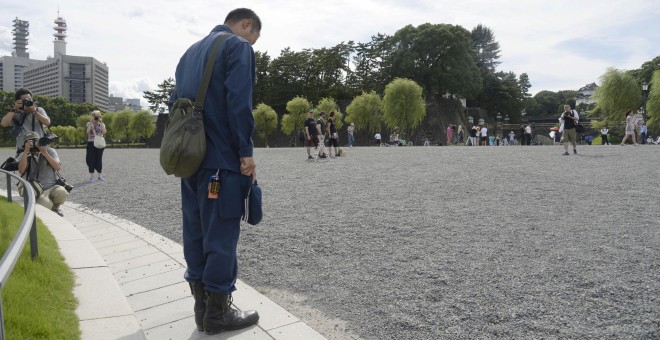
[(486, 49), (437, 57), (159, 97)]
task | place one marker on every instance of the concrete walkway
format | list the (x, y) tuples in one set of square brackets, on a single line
[(129, 283)]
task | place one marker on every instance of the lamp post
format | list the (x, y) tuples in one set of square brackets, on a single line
[(498, 123), (645, 92)]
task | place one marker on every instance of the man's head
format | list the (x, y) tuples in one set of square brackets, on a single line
[(244, 23), (322, 115), (567, 108), (310, 113), (23, 94), (31, 136)]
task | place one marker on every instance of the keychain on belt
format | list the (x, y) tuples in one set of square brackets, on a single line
[(214, 186)]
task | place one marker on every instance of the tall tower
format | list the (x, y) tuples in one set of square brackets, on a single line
[(20, 37), (60, 35)]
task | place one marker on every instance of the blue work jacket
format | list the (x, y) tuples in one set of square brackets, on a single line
[(228, 119)]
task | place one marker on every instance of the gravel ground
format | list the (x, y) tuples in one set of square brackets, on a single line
[(434, 242)]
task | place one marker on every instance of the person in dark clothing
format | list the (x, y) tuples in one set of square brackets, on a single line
[(211, 219), (570, 118), (332, 134), (311, 134)]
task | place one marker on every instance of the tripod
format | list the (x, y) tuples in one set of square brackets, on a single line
[(321, 148)]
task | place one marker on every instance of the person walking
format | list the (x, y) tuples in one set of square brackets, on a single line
[(211, 223), (603, 135), (630, 129), (569, 120), (351, 138), (311, 134), (94, 157)]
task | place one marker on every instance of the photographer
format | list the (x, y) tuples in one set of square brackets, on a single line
[(40, 162), (569, 119), (94, 158), (26, 116)]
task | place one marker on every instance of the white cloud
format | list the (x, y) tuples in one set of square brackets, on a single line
[(144, 43)]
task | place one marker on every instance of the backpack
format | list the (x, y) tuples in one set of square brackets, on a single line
[(183, 148)]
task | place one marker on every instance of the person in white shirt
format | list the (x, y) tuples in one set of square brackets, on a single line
[(528, 134), (484, 136), (377, 138), (603, 135)]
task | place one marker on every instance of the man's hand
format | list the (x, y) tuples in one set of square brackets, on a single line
[(249, 167), (309, 137)]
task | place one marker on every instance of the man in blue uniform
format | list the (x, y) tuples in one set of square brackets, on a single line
[(211, 223)]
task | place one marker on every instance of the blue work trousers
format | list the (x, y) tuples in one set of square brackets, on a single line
[(211, 228)]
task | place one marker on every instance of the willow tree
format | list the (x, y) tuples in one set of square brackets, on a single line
[(653, 100), (265, 120), (618, 93), (328, 105), (403, 105), (296, 114), (366, 112)]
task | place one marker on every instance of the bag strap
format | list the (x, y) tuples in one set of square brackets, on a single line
[(206, 79)]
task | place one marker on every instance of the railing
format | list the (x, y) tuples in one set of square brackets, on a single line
[(28, 227)]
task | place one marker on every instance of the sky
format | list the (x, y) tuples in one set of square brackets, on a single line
[(561, 45)]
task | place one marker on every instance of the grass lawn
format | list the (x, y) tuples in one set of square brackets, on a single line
[(37, 299)]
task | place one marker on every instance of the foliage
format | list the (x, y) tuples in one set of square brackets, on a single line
[(366, 112), (142, 124), (437, 57), (328, 105), (403, 104), (486, 49), (618, 93), (68, 135), (653, 100), (120, 126), (45, 282), (158, 99), (297, 113), (265, 119)]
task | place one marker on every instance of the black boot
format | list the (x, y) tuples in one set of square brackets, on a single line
[(197, 289), (220, 316)]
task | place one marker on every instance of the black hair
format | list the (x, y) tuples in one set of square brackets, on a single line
[(21, 92), (243, 13)]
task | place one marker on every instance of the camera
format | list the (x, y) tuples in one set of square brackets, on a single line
[(27, 102), (48, 138), (62, 182), (96, 117)]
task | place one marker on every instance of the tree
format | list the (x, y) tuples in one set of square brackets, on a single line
[(108, 118), (653, 100), (265, 119), (403, 105), (437, 57), (159, 97), (525, 85), (486, 49), (142, 124), (120, 125), (295, 118), (328, 105), (548, 102), (618, 93), (366, 112)]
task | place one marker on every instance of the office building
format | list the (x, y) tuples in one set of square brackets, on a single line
[(78, 79)]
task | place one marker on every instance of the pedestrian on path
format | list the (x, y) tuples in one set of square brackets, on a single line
[(212, 198), (569, 120), (630, 129), (94, 156)]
